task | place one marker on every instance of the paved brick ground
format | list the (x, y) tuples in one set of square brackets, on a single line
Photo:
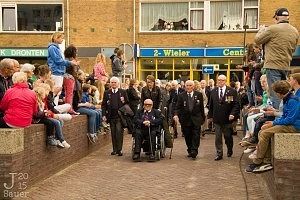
[(102, 176)]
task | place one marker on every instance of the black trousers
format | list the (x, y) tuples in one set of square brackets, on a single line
[(192, 137), (143, 134), (116, 134), (226, 129)]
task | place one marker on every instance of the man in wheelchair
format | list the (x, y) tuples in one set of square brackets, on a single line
[(147, 123)]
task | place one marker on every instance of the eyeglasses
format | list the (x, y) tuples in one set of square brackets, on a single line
[(147, 104)]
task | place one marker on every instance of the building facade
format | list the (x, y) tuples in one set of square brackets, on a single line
[(172, 39)]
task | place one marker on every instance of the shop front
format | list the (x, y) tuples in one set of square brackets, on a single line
[(187, 63)]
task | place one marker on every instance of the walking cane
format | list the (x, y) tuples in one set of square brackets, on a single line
[(173, 139), (151, 149)]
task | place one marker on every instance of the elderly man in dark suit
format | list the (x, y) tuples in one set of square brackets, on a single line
[(223, 110), (190, 113), (174, 92), (147, 123), (113, 100)]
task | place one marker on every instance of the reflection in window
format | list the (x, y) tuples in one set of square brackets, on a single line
[(39, 17), (8, 19), (32, 17)]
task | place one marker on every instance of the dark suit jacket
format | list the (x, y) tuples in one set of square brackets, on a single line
[(173, 99), (155, 95), (106, 103), (155, 117), (196, 117), (219, 110)]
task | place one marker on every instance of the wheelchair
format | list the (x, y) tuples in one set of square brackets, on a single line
[(160, 148)]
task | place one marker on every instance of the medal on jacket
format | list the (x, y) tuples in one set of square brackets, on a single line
[(184, 103)]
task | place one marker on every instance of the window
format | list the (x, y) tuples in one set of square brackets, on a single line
[(8, 19), (199, 15), (228, 15), (32, 17)]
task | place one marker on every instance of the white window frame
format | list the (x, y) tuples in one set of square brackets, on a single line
[(15, 5), (206, 22)]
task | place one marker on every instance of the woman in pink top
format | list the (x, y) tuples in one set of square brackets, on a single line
[(100, 74), (19, 104)]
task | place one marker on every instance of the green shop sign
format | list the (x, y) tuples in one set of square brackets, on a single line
[(23, 52)]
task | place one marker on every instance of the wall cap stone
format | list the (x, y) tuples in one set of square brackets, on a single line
[(286, 146), (11, 140)]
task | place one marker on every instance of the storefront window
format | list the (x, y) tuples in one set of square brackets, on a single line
[(165, 63), (182, 63)]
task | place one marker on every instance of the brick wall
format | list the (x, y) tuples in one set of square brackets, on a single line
[(287, 179), (40, 161)]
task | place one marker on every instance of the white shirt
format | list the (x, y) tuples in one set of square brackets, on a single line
[(192, 93), (114, 90), (223, 90)]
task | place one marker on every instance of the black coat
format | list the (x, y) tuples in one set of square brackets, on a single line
[(106, 103), (195, 117), (220, 109), (155, 95), (133, 98), (173, 99)]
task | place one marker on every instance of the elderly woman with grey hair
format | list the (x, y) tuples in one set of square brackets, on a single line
[(19, 103), (29, 70)]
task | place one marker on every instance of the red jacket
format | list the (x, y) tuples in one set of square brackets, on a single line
[(19, 104)]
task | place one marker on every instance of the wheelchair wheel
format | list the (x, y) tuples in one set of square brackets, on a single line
[(162, 144), (157, 155)]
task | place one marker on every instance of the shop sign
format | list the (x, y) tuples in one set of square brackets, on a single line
[(224, 52), (168, 52), (23, 52)]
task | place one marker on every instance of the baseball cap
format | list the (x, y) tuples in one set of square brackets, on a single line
[(281, 12)]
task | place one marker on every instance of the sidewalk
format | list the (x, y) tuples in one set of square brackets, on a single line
[(102, 176)]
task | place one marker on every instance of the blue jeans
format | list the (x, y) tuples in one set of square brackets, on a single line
[(92, 118), (58, 129), (274, 75)]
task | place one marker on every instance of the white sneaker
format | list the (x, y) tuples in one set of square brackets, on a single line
[(59, 144), (249, 150), (253, 155), (65, 144)]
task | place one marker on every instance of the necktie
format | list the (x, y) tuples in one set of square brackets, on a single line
[(190, 101), (221, 94)]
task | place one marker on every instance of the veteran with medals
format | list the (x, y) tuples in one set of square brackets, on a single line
[(223, 110)]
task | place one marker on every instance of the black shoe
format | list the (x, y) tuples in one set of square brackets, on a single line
[(120, 153), (194, 154), (113, 153), (229, 153), (189, 155), (218, 158), (151, 158), (136, 157)]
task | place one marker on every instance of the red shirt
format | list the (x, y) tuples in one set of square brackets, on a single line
[(19, 104)]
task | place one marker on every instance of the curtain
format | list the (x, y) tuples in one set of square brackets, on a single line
[(154, 15), (197, 20), (252, 20), (225, 15)]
